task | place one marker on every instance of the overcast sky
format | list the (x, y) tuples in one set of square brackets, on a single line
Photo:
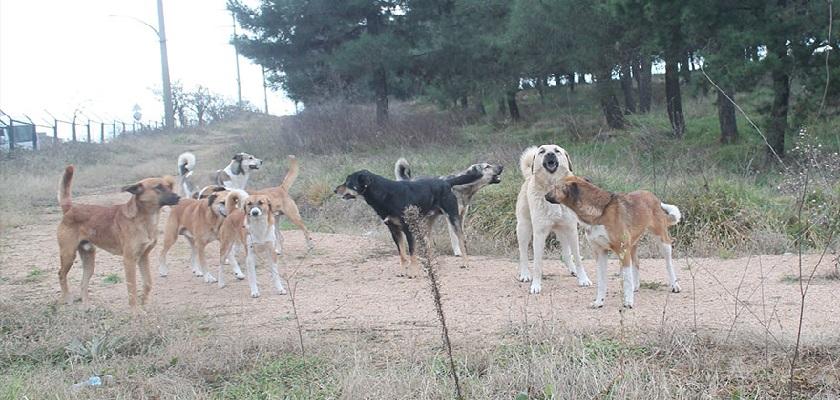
[(63, 55)]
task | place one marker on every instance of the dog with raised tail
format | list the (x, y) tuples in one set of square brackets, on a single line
[(234, 176), (616, 222), (186, 167)]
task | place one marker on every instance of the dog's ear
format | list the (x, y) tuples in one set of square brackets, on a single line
[(568, 160), (134, 189), (211, 199), (270, 206), (572, 191), (169, 181), (238, 157), (365, 180)]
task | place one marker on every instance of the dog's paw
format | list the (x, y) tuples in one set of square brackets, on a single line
[(255, 293), (676, 287), (221, 284), (628, 304), (239, 275), (163, 271), (281, 291), (524, 277), (536, 288), (598, 303), (310, 244), (584, 281), (209, 278), (197, 273)]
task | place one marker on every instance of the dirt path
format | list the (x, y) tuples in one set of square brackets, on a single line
[(348, 283)]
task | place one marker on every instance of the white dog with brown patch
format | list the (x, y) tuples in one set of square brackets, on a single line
[(543, 167)]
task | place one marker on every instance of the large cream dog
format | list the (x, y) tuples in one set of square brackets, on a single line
[(543, 167)]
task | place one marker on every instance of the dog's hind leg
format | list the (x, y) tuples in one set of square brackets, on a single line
[(601, 275), (456, 224), (397, 236), (68, 255), (291, 211), (234, 263), (200, 246), (629, 285), (275, 276), (413, 265), (453, 239), (88, 255), (196, 267), (634, 256), (170, 236), (669, 264)]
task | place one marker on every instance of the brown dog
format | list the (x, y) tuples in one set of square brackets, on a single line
[(129, 230), (199, 221), (250, 225), (283, 204), (616, 222)]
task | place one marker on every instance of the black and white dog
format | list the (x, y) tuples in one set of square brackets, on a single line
[(390, 199), (234, 176), (489, 175)]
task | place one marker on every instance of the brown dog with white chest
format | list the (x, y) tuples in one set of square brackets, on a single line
[(129, 230), (616, 222)]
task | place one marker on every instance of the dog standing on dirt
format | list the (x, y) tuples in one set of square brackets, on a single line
[(543, 167), (283, 204), (490, 174), (616, 222), (234, 176), (390, 199), (250, 225), (129, 230), (199, 221)]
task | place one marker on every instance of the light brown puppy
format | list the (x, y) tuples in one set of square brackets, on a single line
[(283, 204), (199, 221), (250, 225), (616, 222), (129, 230)]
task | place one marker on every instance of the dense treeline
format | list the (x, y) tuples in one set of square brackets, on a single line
[(467, 53)]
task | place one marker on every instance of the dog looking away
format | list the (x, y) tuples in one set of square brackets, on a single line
[(234, 176), (129, 230), (389, 199), (543, 167), (283, 204), (616, 222), (490, 175)]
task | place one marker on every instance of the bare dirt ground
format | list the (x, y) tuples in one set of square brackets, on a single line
[(349, 284)]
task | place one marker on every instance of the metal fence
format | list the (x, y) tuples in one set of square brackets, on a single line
[(24, 134)]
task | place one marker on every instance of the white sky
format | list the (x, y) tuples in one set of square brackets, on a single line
[(62, 55)]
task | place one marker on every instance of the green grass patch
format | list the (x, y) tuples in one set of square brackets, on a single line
[(111, 279), (288, 377)]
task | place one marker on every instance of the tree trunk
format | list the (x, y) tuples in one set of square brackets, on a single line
[(627, 88), (571, 78), (673, 97), (645, 81), (512, 106), (380, 82), (479, 107), (635, 68), (464, 102), (726, 116), (779, 110), (502, 110), (609, 101), (542, 84)]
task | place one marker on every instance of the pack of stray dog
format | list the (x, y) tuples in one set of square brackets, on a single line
[(220, 207)]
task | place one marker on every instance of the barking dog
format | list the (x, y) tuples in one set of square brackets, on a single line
[(490, 174), (390, 198), (616, 222), (283, 204), (250, 225), (234, 176), (199, 221), (543, 167), (129, 230)]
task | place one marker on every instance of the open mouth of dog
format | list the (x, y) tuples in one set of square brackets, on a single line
[(253, 166), (496, 178), (345, 193), (550, 163)]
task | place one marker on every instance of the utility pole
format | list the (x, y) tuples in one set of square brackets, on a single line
[(168, 111), (238, 78), (265, 89)]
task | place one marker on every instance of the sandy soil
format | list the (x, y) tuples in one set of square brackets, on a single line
[(349, 284)]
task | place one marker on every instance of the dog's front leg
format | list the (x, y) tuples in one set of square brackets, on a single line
[(540, 234), (146, 275), (251, 264), (453, 239), (669, 264), (601, 274), (202, 261), (627, 273), (196, 267), (524, 232), (130, 266)]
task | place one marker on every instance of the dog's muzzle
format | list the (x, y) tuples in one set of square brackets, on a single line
[(255, 165), (497, 176), (169, 199), (255, 212), (345, 192), (550, 198), (550, 162)]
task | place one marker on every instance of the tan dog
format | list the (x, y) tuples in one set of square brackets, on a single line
[(128, 229), (250, 225), (616, 222), (199, 221), (283, 204)]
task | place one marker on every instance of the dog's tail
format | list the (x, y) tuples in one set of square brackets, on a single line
[(674, 214), (290, 177), (235, 199), (64, 198), (526, 161), (402, 170), (186, 164)]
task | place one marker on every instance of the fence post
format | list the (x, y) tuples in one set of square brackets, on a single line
[(74, 130), (88, 132), (11, 134), (133, 127), (55, 131), (34, 137), (123, 130), (101, 132), (114, 130)]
